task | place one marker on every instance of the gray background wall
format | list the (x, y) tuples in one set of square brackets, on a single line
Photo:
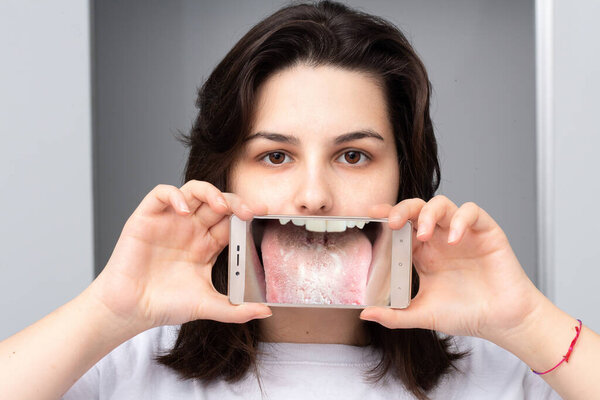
[(151, 56)]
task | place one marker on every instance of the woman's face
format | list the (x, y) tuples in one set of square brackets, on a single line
[(321, 144)]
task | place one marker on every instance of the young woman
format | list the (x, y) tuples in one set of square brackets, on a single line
[(318, 110)]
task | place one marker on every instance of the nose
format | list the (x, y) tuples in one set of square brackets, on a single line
[(314, 194)]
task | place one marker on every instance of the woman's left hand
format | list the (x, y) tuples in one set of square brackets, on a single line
[(471, 282)]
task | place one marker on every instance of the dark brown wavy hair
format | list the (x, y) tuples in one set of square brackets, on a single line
[(324, 33)]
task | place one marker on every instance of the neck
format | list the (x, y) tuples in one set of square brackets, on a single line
[(314, 325)]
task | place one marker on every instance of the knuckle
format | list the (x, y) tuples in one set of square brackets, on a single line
[(417, 203), (191, 182), (161, 187), (200, 188), (425, 210), (209, 187), (469, 205), (430, 206), (186, 185), (194, 184), (412, 206), (440, 198)]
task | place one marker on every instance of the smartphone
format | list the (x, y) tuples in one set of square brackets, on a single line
[(313, 261)]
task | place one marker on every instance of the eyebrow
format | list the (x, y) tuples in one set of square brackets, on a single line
[(346, 137), (276, 137)]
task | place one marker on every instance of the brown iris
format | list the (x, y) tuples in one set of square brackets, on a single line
[(352, 157), (276, 157)]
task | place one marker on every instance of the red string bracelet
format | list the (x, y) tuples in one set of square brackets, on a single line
[(566, 356)]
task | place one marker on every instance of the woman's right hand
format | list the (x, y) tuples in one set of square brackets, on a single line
[(160, 270)]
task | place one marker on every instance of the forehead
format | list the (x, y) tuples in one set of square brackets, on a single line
[(322, 100)]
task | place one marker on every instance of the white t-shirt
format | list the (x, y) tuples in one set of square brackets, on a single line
[(304, 371)]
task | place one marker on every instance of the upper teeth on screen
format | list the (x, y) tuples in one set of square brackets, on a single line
[(322, 225)]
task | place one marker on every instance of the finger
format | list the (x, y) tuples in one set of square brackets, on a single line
[(469, 216), (404, 211), (235, 205), (379, 211), (209, 217), (161, 197), (220, 232), (437, 212), (198, 193), (258, 208), (219, 308), (412, 317), (243, 209)]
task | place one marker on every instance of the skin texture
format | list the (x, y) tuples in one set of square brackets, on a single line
[(159, 272)]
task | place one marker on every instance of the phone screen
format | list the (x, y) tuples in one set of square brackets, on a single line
[(318, 261)]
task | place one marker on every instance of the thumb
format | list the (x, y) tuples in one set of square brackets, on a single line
[(220, 309), (412, 317)]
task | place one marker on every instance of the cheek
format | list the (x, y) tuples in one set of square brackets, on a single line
[(360, 196), (380, 185), (271, 191)]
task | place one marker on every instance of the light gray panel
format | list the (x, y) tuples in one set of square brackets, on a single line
[(152, 56), (576, 142), (46, 246)]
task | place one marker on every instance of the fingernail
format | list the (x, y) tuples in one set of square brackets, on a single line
[(247, 209), (184, 207), (367, 318), (260, 316), (421, 231), (222, 202), (452, 236)]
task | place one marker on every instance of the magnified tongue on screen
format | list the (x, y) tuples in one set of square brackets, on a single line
[(320, 261)]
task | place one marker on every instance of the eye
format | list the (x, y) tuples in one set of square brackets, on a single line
[(353, 157), (276, 158)]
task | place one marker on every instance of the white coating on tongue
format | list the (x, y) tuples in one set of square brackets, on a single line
[(303, 267)]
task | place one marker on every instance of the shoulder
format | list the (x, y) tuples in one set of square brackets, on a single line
[(137, 354), (483, 352), (489, 371), (129, 368), (149, 342)]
